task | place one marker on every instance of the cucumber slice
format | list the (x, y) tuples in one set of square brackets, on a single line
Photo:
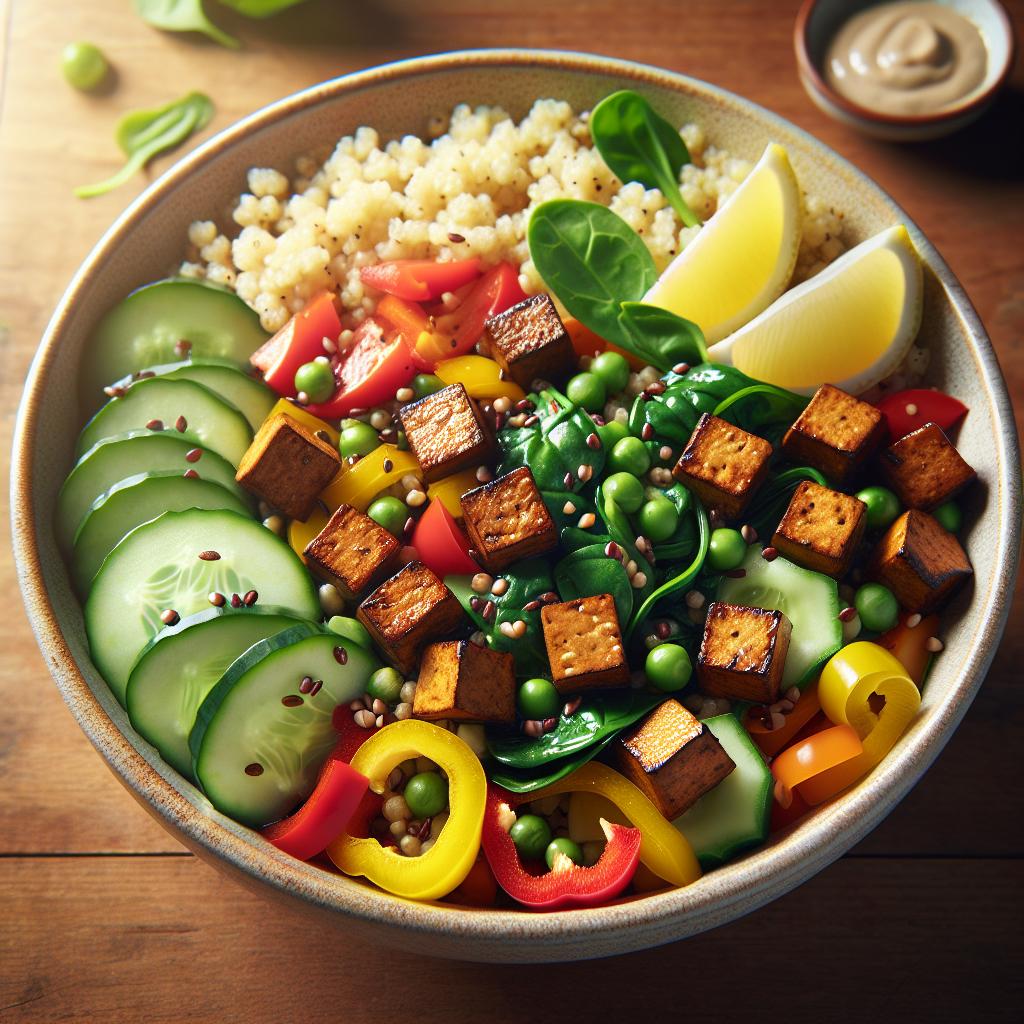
[(125, 455), (809, 600), (733, 815), (213, 423), (156, 567), (245, 722), (144, 328), (132, 502), (181, 664)]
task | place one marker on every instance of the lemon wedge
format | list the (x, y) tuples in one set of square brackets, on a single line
[(743, 257), (850, 325)]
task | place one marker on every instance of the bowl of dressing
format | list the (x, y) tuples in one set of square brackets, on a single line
[(904, 70)]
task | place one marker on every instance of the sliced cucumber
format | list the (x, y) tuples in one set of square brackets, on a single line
[(137, 500), (258, 743), (125, 455), (157, 568), (145, 328), (733, 815), (181, 664), (809, 600), (214, 424)]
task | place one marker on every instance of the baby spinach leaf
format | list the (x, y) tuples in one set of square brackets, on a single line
[(763, 409), (588, 571), (521, 780), (183, 16), (661, 338), (621, 531), (260, 8), (638, 144), (145, 133), (557, 502)]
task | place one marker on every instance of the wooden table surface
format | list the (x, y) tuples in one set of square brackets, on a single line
[(104, 917)]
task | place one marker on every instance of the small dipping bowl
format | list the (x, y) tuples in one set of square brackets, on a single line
[(817, 23)]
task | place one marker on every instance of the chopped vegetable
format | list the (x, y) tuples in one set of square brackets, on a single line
[(906, 411), (440, 543), (420, 280), (83, 65)]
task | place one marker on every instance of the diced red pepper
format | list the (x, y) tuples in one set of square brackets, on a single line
[(420, 280), (479, 889), (495, 292), (299, 341), (441, 544), (927, 407), (567, 884)]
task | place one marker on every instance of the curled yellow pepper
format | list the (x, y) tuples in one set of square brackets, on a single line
[(373, 473), (447, 863), (301, 533), (480, 376)]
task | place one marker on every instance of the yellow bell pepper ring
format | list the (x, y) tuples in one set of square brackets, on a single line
[(446, 864), (480, 376), (450, 489), (373, 473)]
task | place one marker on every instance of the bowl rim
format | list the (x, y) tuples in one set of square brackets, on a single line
[(721, 895), (811, 74)]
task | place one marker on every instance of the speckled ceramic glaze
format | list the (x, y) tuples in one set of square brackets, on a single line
[(146, 242)]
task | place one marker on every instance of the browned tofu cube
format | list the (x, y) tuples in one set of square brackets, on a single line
[(821, 529), (723, 465), (352, 552), (584, 644), (463, 682), (924, 469), (446, 432), (672, 759), (529, 341), (507, 520), (743, 653), (836, 433), (408, 611), (920, 561), (287, 466)]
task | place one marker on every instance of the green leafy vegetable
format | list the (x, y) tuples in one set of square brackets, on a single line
[(661, 338), (638, 144), (145, 133), (588, 571), (260, 8), (763, 409), (522, 780), (183, 16)]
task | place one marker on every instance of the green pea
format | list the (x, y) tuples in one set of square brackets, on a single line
[(877, 607), (883, 506), (727, 549), (611, 432), (531, 834), (316, 379), (83, 65), (385, 684), (668, 667), (564, 845), (358, 439), (658, 519), (629, 456), (587, 390), (426, 794), (424, 384), (612, 369), (350, 629), (539, 699), (625, 490), (389, 512), (949, 516)]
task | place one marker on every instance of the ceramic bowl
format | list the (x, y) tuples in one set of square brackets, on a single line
[(816, 25), (148, 239)]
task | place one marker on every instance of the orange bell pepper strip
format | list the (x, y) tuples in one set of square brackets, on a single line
[(811, 757), (908, 644), (771, 741), (586, 343)]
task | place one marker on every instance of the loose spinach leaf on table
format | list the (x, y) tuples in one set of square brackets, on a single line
[(183, 16), (260, 8), (661, 338), (638, 144)]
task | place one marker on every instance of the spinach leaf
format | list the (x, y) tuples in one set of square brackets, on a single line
[(145, 133), (621, 531), (260, 8), (555, 501), (183, 16), (763, 409), (522, 780), (638, 144), (588, 571), (661, 338), (681, 544)]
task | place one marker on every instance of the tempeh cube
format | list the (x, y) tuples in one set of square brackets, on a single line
[(352, 551), (584, 644), (529, 341), (463, 682), (821, 529), (924, 469)]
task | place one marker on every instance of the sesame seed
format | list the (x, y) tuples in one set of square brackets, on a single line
[(193, 454), (568, 481), (531, 606), (254, 769), (405, 395), (694, 599), (665, 453), (316, 687), (490, 610), (455, 238), (169, 617), (587, 520), (639, 581), (499, 587), (305, 684), (524, 404), (911, 409), (848, 615), (913, 620), (568, 508), (190, 474), (251, 597), (216, 599), (292, 700), (656, 387), (236, 601), (387, 465), (933, 645), (408, 528)]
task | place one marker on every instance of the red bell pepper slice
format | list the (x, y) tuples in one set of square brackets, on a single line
[(420, 280), (369, 373), (442, 546), (299, 341), (567, 884), (495, 292), (928, 407)]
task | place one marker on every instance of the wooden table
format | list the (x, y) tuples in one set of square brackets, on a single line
[(104, 916)]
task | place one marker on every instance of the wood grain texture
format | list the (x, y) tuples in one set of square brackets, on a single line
[(94, 937)]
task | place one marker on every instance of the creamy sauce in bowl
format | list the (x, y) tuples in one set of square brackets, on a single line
[(907, 58)]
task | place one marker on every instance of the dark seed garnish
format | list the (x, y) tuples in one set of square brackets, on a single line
[(181, 424), (599, 420), (316, 687), (217, 600), (182, 347), (254, 769), (531, 606), (550, 597), (424, 830), (568, 480), (476, 604), (664, 630), (523, 405), (356, 413), (593, 441), (489, 611), (236, 601), (306, 684), (410, 525), (499, 421), (474, 554), (389, 435), (736, 574), (209, 556), (193, 454), (769, 554), (612, 550), (323, 435), (647, 433), (681, 368), (155, 425), (656, 387), (169, 617), (387, 465), (293, 700), (848, 614), (190, 474), (455, 238), (340, 655), (251, 597)]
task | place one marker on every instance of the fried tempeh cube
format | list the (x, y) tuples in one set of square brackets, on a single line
[(352, 551), (723, 465), (672, 758), (407, 611), (446, 432), (287, 466), (743, 653), (836, 433), (507, 520), (821, 529), (529, 341), (464, 682), (584, 644), (924, 469), (920, 561)]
